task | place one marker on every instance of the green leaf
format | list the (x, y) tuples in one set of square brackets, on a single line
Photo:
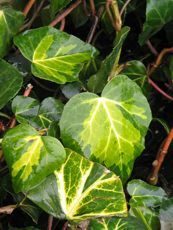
[(166, 214), (144, 194), (79, 190), (108, 67), (109, 129), (30, 157), (126, 223), (57, 5), (158, 13), (10, 23), (148, 217), (10, 82), (29, 110), (55, 55)]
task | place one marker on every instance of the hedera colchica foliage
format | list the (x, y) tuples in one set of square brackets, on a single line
[(70, 146)]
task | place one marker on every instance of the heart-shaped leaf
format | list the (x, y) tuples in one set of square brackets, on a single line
[(55, 55), (30, 157), (10, 82), (10, 23), (80, 189), (110, 128)]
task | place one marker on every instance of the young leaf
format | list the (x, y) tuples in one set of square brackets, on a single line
[(144, 194), (56, 5), (110, 128), (158, 13), (29, 110), (124, 223), (108, 67), (10, 82), (56, 56), (30, 157), (166, 214), (80, 189), (10, 23)]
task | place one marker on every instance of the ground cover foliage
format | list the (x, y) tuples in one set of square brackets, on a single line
[(86, 114)]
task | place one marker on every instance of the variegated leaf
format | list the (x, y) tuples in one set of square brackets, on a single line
[(109, 129), (79, 190), (55, 55), (30, 157)]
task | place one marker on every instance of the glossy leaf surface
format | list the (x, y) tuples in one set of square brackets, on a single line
[(30, 157), (10, 82), (56, 56), (144, 194), (80, 190), (109, 129), (158, 13), (109, 66), (10, 23)]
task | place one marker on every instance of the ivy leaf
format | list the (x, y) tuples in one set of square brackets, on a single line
[(57, 5), (166, 214), (158, 13), (10, 82), (10, 23), (30, 157), (109, 129), (126, 223), (29, 110), (144, 194), (80, 189), (55, 55), (108, 67)]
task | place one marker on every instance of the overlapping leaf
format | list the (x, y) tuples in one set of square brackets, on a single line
[(10, 23), (56, 56), (30, 157), (80, 189), (56, 5), (158, 13), (111, 128), (10, 82)]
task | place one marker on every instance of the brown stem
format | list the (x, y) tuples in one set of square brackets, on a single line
[(62, 15), (65, 226), (50, 222), (62, 27), (92, 6), (153, 178), (152, 48), (93, 29), (85, 8), (124, 7), (28, 7)]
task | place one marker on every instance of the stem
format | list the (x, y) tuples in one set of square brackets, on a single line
[(65, 226), (62, 15), (4, 115), (92, 6), (152, 48), (50, 222), (28, 7), (93, 29), (124, 7), (153, 178), (62, 27)]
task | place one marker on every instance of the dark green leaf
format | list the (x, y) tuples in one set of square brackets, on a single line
[(56, 56), (80, 190), (57, 5), (30, 157), (10, 82)]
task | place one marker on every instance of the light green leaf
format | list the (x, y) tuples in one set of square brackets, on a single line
[(166, 214), (57, 5), (30, 157), (10, 23), (29, 110), (158, 13), (10, 82), (116, 223), (109, 129), (79, 190), (55, 55), (144, 194), (109, 66)]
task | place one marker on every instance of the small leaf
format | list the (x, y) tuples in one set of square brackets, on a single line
[(124, 223), (158, 13), (10, 23), (55, 55), (57, 5), (109, 129), (10, 82), (144, 194), (166, 214), (30, 157), (80, 190), (97, 82)]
